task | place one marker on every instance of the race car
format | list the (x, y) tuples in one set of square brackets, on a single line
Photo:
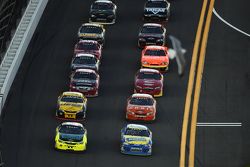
[(89, 46), (103, 12), (91, 31), (136, 140), (152, 34), (141, 107), (156, 57), (157, 10), (84, 61), (71, 106), (149, 81), (85, 81), (71, 136)]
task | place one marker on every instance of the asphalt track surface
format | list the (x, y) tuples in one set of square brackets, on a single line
[(225, 93), (28, 119)]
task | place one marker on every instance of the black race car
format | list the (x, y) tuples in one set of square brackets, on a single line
[(157, 10), (152, 34), (103, 12), (85, 61)]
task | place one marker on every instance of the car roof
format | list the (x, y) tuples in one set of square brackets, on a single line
[(152, 24), (69, 93), (73, 124), (85, 70), (84, 55), (149, 70), (142, 95), (137, 126)]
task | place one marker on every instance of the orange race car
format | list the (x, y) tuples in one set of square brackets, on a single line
[(156, 57), (141, 107)]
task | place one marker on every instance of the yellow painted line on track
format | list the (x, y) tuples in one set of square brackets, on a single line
[(198, 85), (190, 86)]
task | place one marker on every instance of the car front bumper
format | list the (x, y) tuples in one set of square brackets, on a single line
[(138, 151), (70, 147)]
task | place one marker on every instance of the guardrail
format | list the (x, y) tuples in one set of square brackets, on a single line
[(10, 12), (18, 46)]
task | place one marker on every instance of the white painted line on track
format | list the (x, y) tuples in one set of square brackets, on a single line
[(230, 25), (219, 124)]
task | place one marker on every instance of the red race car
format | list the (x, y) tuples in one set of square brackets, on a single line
[(85, 81), (155, 57), (141, 107), (89, 47), (149, 81)]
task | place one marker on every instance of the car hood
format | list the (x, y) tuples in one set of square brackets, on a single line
[(84, 82), (138, 140), (139, 108), (148, 82), (64, 106)]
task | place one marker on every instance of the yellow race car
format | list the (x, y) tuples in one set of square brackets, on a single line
[(71, 136), (71, 106)]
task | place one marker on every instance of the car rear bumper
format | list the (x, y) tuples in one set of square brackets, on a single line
[(102, 20), (155, 92), (89, 93), (141, 153)]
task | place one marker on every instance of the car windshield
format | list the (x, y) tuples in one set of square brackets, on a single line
[(158, 52), (84, 75), (70, 137), (152, 30), (102, 6), (144, 101), (84, 60), (149, 75), (71, 129), (156, 4), (91, 29), (137, 132), (87, 46), (72, 99)]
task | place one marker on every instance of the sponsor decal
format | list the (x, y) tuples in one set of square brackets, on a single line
[(155, 10)]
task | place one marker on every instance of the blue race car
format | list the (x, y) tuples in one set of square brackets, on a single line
[(136, 140)]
